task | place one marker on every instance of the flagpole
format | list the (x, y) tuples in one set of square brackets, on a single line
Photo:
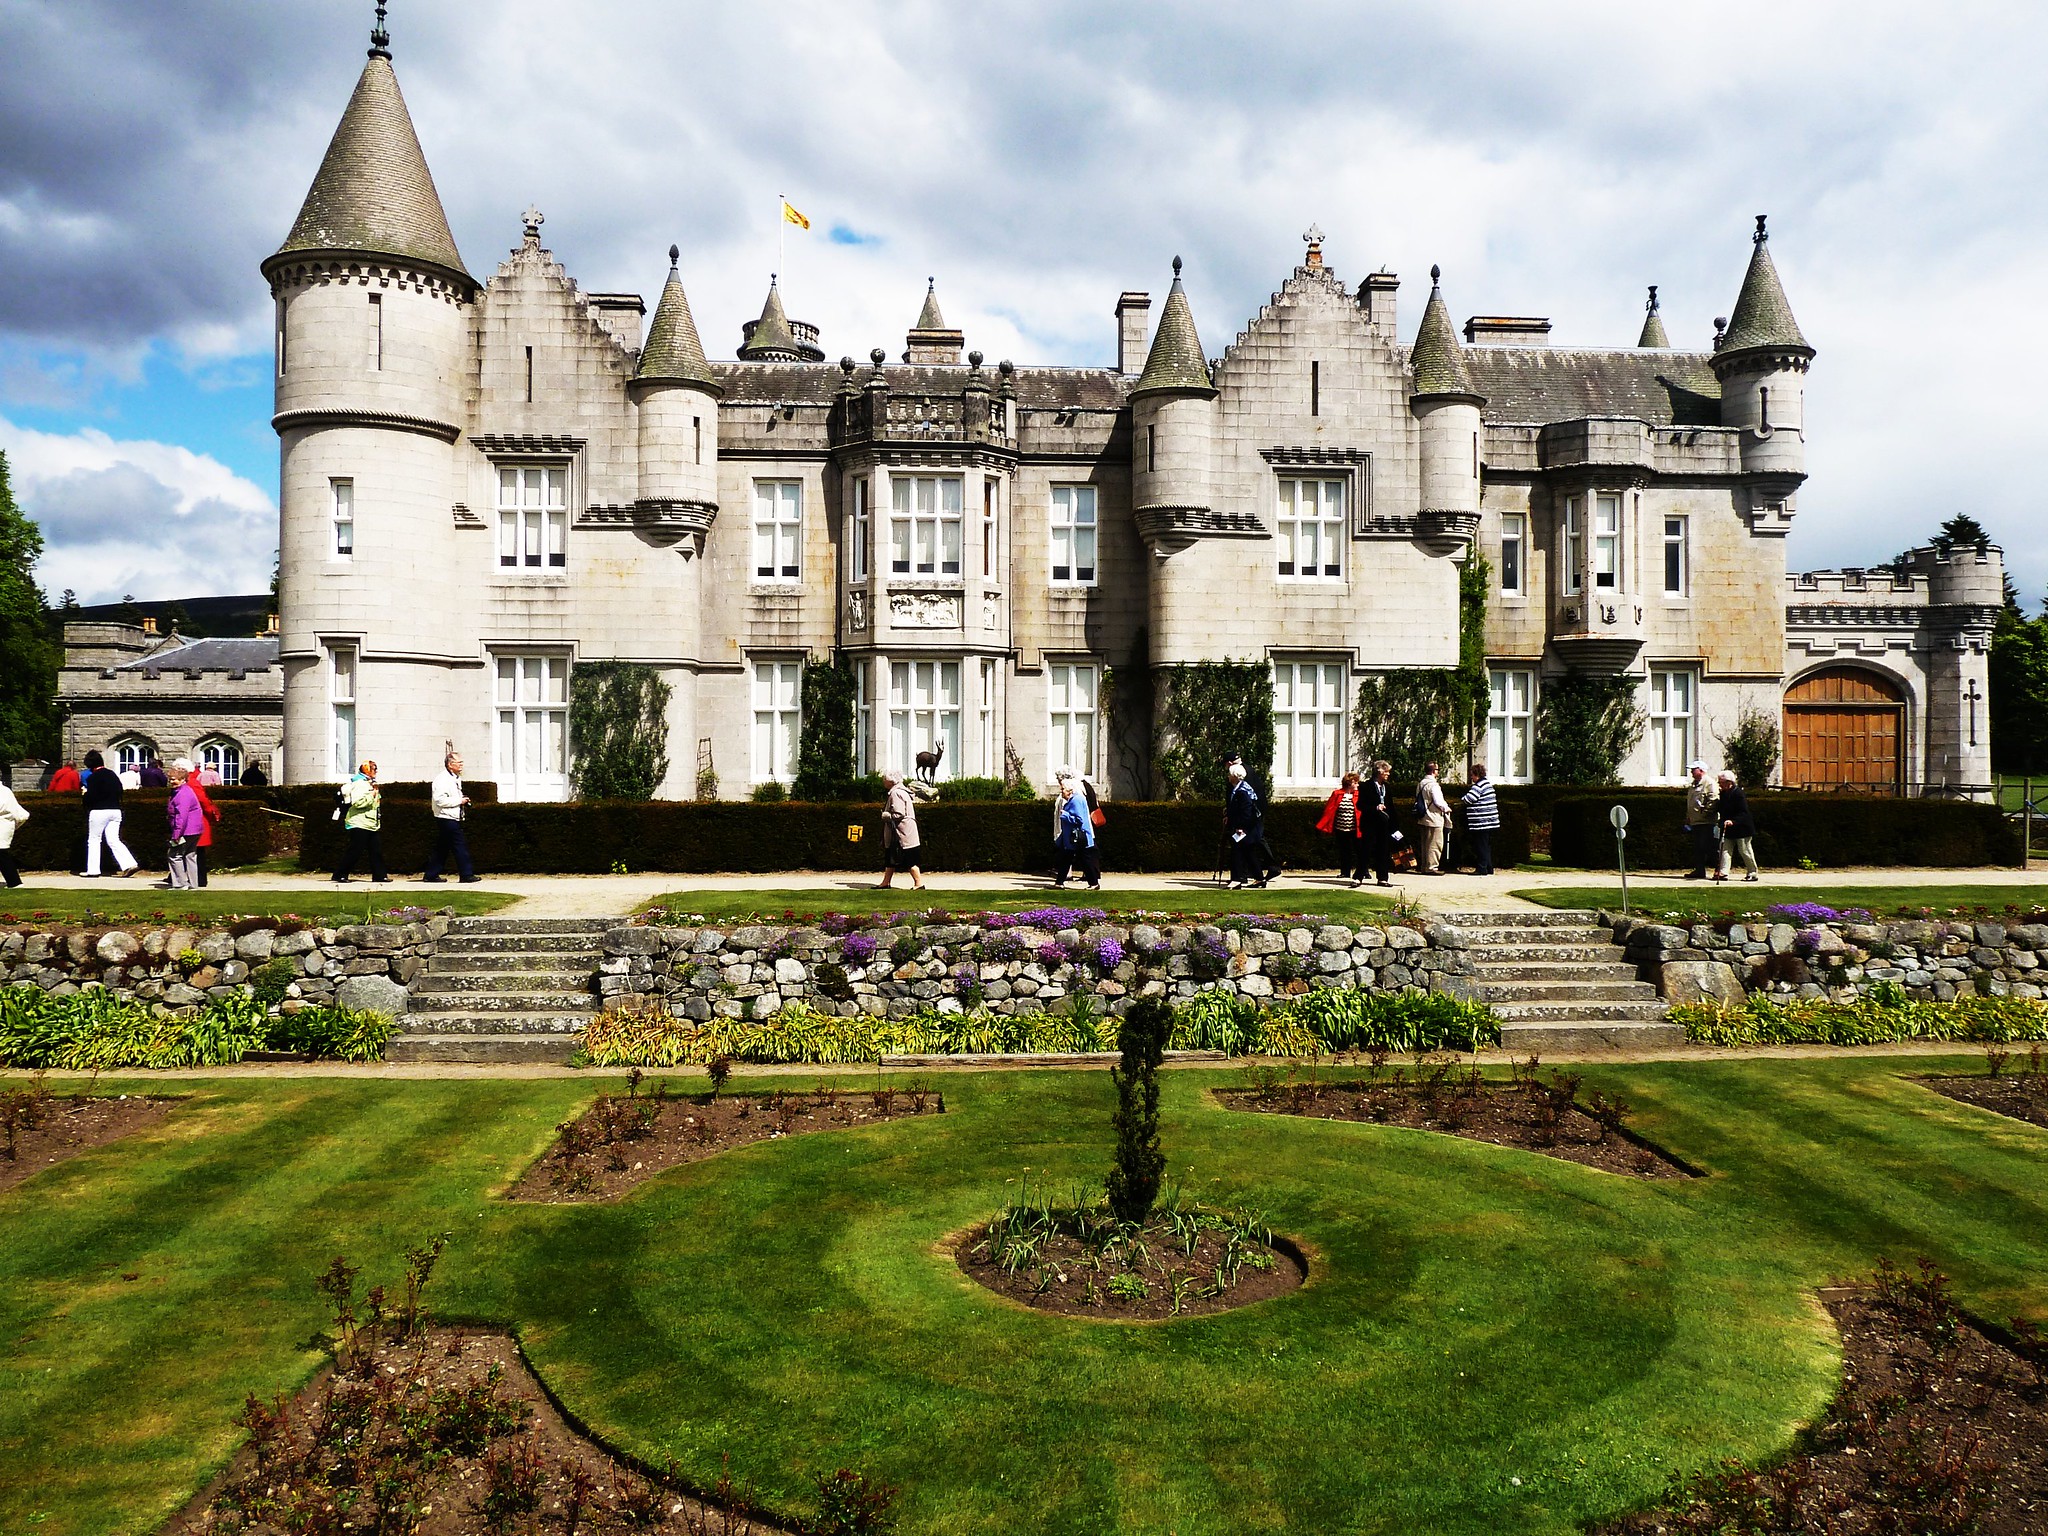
[(781, 230)]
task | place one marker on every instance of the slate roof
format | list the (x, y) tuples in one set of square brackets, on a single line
[(373, 191), (929, 318), (1176, 360), (771, 332), (1762, 318), (1436, 356), (1532, 385), (224, 655), (778, 383), (673, 350)]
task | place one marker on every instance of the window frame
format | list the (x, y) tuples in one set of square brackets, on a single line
[(1075, 531), (863, 718), (1514, 532), (1572, 530), (911, 708), (1660, 718), (550, 715), (1071, 717), (1503, 713), (132, 753), (341, 514), (1332, 723), (780, 715), (990, 512), (1679, 544), (916, 529), (537, 532), (783, 528), (989, 672), (1606, 543), (214, 752), (344, 678), (1331, 531), (860, 530)]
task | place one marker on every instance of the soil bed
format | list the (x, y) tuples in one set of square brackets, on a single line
[(1074, 1276), (1532, 1115), (502, 1456), (39, 1130), (2023, 1096), (1938, 1428), (624, 1139)]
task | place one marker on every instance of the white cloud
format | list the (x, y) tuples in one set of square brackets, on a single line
[(153, 519)]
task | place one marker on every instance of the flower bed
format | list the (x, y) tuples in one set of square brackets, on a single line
[(94, 1030), (1885, 1013)]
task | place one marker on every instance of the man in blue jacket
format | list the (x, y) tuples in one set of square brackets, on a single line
[(1244, 821)]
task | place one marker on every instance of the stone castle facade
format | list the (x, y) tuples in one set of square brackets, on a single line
[(488, 482)]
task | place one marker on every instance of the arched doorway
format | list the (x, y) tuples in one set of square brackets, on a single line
[(1845, 728)]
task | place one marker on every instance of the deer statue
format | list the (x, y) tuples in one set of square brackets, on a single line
[(928, 762)]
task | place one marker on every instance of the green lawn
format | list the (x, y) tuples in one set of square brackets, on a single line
[(1735, 896), (1326, 899), (136, 901), (1491, 1341)]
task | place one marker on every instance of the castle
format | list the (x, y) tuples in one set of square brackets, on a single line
[(487, 483)]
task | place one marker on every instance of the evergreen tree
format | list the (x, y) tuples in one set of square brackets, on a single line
[(29, 654), (1963, 529)]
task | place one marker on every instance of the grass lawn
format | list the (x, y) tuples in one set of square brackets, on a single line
[(1330, 900), (136, 901), (1734, 897), (1491, 1341)]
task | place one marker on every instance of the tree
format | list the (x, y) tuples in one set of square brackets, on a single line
[(618, 721), (1212, 709), (824, 747), (1963, 529), (29, 653), (1134, 1180), (1585, 726), (2019, 696)]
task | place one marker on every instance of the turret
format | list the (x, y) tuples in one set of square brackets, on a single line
[(677, 395), (1173, 414), (1447, 406), (1653, 324), (775, 338), (931, 340), (1761, 360)]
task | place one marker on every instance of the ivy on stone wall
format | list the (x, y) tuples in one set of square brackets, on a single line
[(824, 748), (618, 723), (1585, 726), (1210, 710), (1417, 715), (1128, 702)]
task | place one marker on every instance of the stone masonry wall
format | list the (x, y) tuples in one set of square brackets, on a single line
[(1929, 959), (367, 966), (756, 970)]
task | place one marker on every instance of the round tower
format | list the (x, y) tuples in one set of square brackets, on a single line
[(373, 322), (1173, 418), (677, 396), (1447, 409), (1761, 360)]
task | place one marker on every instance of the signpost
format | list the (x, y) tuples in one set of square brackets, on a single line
[(1619, 818)]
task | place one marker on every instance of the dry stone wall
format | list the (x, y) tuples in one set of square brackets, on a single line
[(752, 971)]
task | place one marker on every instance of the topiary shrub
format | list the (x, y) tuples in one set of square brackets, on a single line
[(1751, 749), (618, 721), (1585, 726), (824, 746), (1133, 1184), (770, 793)]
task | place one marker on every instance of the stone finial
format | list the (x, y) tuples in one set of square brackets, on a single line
[(675, 253), (846, 366), (974, 361), (1314, 236), (1436, 276), (1650, 304), (533, 218), (1761, 235), (1176, 266), (380, 36), (878, 357)]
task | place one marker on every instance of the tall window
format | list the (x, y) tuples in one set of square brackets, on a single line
[(533, 516), (341, 709), (988, 528), (1607, 542), (1311, 529), (1308, 721), (223, 757), (924, 525), (1574, 542), (1672, 699), (863, 720), (924, 714), (985, 722), (1073, 535), (281, 338), (1514, 535), (863, 530), (1510, 716), (376, 331), (1070, 739), (344, 498), (1675, 562), (778, 529), (777, 690), (533, 727), (132, 754)]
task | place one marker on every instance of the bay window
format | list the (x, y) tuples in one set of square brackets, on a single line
[(924, 525), (924, 715)]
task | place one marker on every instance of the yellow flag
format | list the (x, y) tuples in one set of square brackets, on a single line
[(791, 216)]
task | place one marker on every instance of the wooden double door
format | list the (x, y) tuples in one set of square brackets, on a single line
[(1845, 728)]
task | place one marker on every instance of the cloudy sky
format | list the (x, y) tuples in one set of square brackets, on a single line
[(1037, 158)]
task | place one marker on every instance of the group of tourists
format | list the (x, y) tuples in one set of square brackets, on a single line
[(359, 807), (1722, 829), (190, 816), (1359, 818)]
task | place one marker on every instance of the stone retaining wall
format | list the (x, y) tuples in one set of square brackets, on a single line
[(363, 966), (752, 971), (1929, 959)]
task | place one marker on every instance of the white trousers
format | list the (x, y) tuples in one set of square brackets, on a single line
[(105, 824)]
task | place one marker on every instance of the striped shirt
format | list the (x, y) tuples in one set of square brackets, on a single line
[(1482, 811)]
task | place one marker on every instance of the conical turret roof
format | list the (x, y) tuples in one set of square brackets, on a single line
[(1176, 360), (1438, 360), (1762, 318), (1653, 324), (673, 350), (374, 192), (929, 318), (771, 335)]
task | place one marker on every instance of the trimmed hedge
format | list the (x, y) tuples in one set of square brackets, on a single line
[(685, 837), (1835, 831), (54, 836)]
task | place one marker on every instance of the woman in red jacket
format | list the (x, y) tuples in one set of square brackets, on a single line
[(1342, 821)]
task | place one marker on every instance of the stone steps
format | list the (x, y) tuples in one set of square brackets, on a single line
[(515, 944), (1561, 986), (1648, 1010), (504, 989), (1511, 993), (1571, 1037), (454, 1022), (1551, 970), (528, 927), (492, 1050), (500, 962), (465, 982)]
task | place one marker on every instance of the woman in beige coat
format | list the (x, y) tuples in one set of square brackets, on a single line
[(899, 833)]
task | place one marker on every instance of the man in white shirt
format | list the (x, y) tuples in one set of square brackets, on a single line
[(449, 804), (1434, 813)]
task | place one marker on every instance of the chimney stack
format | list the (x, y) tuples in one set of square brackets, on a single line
[(1376, 298), (1133, 328)]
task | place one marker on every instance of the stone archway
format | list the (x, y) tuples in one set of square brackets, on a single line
[(1845, 728)]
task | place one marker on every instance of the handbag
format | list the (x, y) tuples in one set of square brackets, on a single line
[(1097, 817)]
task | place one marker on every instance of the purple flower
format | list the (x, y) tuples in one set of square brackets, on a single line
[(1807, 940), (834, 924), (1807, 912), (1109, 954), (1053, 952), (858, 948), (1047, 917), (966, 979)]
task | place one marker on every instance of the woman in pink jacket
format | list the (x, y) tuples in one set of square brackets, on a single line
[(187, 822)]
